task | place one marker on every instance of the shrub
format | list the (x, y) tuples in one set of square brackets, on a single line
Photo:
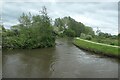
[(69, 33), (83, 36), (88, 37)]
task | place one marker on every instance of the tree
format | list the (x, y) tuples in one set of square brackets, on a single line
[(89, 31), (34, 31), (98, 31), (69, 33), (67, 23), (59, 23), (25, 20), (104, 35)]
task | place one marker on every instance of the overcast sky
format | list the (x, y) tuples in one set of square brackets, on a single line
[(94, 14)]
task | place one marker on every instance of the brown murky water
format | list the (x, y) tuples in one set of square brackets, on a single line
[(62, 61)]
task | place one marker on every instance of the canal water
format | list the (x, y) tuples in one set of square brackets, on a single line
[(62, 61)]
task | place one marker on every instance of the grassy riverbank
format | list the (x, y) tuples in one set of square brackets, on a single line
[(98, 48)]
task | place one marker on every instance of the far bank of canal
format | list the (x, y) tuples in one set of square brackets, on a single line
[(62, 61)]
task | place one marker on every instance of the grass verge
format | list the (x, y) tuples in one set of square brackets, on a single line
[(98, 48)]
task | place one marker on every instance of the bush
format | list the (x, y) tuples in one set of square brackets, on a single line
[(112, 43), (69, 33), (88, 37), (83, 36)]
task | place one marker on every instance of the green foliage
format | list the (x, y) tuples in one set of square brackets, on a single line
[(67, 24), (89, 31), (88, 37), (104, 35), (72, 28), (119, 39), (69, 33), (84, 36), (109, 41), (33, 32)]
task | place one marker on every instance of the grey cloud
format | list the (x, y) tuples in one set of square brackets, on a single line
[(101, 14)]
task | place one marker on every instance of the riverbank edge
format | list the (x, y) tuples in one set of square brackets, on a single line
[(80, 43)]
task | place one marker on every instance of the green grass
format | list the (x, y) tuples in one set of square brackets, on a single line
[(106, 41), (97, 48)]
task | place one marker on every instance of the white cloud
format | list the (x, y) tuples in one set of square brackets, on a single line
[(103, 14)]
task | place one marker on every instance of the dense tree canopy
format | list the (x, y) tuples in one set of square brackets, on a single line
[(68, 24)]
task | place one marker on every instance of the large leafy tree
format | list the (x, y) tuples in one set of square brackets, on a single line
[(89, 31), (68, 24), (33, 31)]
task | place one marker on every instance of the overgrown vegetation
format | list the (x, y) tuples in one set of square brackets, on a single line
[(106, 38), (34, 31), (101, 37)]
